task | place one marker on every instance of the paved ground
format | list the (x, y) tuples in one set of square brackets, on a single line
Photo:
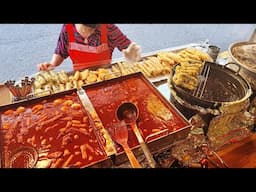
[(22, 46)]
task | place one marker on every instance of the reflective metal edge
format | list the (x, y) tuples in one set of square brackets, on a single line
[(96, 123)]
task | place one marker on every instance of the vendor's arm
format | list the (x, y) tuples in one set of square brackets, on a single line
[(55, 61), (60, 53), (131, 50)]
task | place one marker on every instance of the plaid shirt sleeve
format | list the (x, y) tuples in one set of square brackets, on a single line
[(117, 38), (62, 44)]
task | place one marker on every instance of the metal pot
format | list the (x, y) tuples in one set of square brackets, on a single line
[(221, 79), (247, 72)]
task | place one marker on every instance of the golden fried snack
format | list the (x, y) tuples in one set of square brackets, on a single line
[(102, 73), (76, 76), (126, 68), (41, 92), (121, 67), (190, 55), (102, 70), (185, 80), (157, 108), (189, 71), (80, 83), (68, 86), (40, 79), (146, 71), (202, 55), (37, 85), (172, 56), (165, 58), (63, 77), (61, 87), (84, 74), (92, 77), (154, 60), (46, 75), (154, 63), (166, 67), (101, 76), (110, 76), (154, 71), (115, 69), (74, 82), (53, 75)]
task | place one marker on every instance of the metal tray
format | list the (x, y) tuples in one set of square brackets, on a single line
[(99, 162), (156, 142), (99, 94)]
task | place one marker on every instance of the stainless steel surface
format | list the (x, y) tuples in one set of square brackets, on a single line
[(213, 51), (93, 117), (198, 92), (164, 89), (158, 141), (241, 44), (248, 73)]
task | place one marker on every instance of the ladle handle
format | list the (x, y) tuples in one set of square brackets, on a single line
[(148, 155), (144, 147), (134, 162)]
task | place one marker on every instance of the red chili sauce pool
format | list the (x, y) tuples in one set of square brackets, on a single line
[(57, 129), (109, 96)]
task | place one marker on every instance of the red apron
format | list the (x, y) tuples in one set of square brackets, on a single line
[(85, 56)]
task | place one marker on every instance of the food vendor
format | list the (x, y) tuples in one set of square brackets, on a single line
[(91, 45)]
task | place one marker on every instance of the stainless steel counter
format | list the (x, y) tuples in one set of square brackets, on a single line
[(164, 89)]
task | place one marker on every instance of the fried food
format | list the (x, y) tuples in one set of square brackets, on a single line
[(91, 78), (76, 76), (172, 56), (84, 74), (185, 80), (157, 108), (191, 63), (152, 66)]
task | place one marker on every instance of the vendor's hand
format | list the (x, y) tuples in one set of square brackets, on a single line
[(45, 66), (132, 53)]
